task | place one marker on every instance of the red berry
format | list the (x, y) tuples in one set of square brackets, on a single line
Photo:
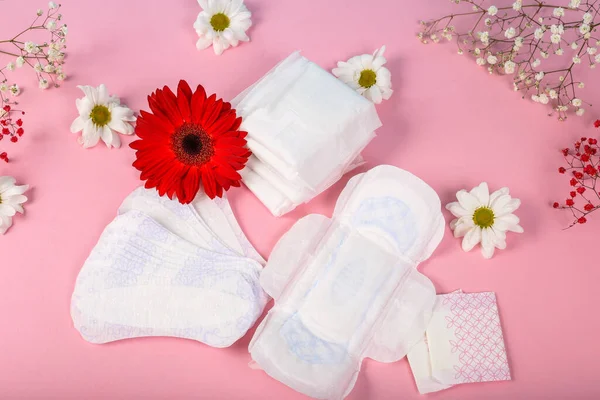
[(3, 122), (588, 207), (565, 152), (590, 170), (582, 220), (14, 139), (577, 144), (569, 202), (562, 170), (7, 108), (555, 205), (597, 123), (592, 141), (578, 174), (593, 151), (573, 193), (20, 122), (583, 139), (5, 131), (585, 157), (20, 131), (573, 182), (587, 148), (580, 190)]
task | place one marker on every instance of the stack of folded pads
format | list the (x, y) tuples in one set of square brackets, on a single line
[(305, 130)]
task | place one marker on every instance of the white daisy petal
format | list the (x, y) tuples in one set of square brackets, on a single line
[(472, 237), (7, 210), (497, 194), (457, 210), (375, 94), (487, 243), (463, 226), (482, 193), (467, 200), (5, 223), (77, 125), (512, 205)]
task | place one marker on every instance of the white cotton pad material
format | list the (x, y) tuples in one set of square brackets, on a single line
[(305, 128), (347, 288), (159, 270)]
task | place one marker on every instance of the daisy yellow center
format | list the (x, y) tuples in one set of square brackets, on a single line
[(192, 145), (483, 217), (368, 78), (100, 115), (220, 22)]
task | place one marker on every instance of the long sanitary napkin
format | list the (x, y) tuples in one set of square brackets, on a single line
[(347, 288)]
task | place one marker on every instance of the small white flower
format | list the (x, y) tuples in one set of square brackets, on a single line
[(20, 61), (61, 76), (15, 90), (10, 66), (510, 33), (222, 24), (493, 10), (484, 218), (491, 59), (64, 29), (555, 38), (584, 28), (477, 51), (558, 12), (3, 87), (518, 43), (39, 12), (574, 3), (544, 54), (11, 201), (536, 63), (553, 94), (574, 45), (576, 60), (488, 22), (543, 98), (51, 25), (561, 78), (100, 116), (43, 84), (560, 29), (539, 33), (49, 68), (539, 76), (576, 102), (367, 75), (30, 47), (480, 61), (509, 67), (597, 58), (559, 52), (592, 50), (517, 5), (581, 85), (52, 5), (484, 37), (588, 18), (580, 112), (38, 67)]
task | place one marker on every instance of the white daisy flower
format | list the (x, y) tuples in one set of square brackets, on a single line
[(484, 218), (222, 24), (11, 200), (100, 115), (367, 75)]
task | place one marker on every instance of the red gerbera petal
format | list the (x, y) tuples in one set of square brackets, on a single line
[(189, 139)]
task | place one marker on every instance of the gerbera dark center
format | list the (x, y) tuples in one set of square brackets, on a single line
[(100, 115), (220, 22), (367, 78), (192, 145)]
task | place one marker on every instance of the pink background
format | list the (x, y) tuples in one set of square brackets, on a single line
[(448, 122)]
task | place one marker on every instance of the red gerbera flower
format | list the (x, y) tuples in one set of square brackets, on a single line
[(189, 138)]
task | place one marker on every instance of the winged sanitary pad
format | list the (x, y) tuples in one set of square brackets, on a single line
[(347, 288)]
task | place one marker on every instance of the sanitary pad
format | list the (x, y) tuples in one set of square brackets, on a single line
[(305, 129), (162, 268), (463, 343), (347, 288)]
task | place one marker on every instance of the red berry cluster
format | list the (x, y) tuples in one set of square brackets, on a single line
[(584, 166), (11, 127)]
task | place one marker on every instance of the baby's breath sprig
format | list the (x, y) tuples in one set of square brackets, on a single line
[(514, 40)]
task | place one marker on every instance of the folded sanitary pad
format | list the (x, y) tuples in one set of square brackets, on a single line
[(162, 268), (347, 288), (463, 343), (305, 129)]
